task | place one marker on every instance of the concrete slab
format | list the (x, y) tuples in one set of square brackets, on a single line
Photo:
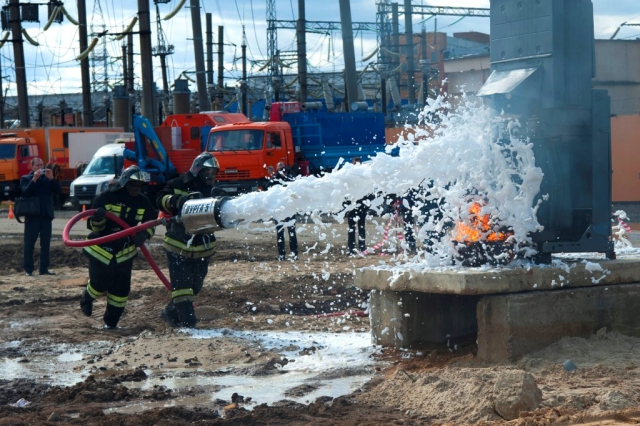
[(478, 282), (513, 325)]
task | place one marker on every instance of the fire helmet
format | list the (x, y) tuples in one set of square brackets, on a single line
[(205, 160), (128, 174)]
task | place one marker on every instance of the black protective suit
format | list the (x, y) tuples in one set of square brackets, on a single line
[(110, 263), (188, 255), (281, 178)]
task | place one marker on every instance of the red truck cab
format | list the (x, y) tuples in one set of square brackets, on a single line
[(16, 154), (249, 153)]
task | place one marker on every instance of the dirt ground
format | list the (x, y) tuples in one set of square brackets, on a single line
[(246, 289)]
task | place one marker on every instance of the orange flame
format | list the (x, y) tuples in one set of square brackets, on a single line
[(478, 229)]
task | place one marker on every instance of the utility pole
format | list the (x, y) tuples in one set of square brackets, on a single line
[(1, 100), (209, 35), (18, 54), (351, 79), (87, 105), (219, 94), (162, 50), (302, 51), (243, 83), (130, 64), (203, 99), (408, 27), (146, 62)]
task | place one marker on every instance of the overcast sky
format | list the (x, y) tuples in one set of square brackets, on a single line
[(53, 69)]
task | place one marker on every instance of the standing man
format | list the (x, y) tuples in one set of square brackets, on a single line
[(279, 178), (356, 218), (188, 255), (39, 183), (110, 263)]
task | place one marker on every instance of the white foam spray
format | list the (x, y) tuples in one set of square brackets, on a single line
[(470, 155)]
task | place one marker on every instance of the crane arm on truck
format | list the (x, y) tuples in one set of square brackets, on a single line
[(142, 128)]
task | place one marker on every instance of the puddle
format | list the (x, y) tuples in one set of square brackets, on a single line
[(319, 364), (56, 364), (305, 367)]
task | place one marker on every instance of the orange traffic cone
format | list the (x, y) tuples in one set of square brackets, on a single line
[(11, 215), (84, 209)]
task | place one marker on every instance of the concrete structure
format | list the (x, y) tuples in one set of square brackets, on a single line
[(512, 311), (513, 325), (467, 74), (618, 71)]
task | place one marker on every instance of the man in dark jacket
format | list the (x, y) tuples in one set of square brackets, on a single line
[(281, 177), (110, 263), (39, 183), (188, 255), (356, 218)]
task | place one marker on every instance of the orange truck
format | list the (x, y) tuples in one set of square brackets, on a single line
[(169, 149), (249, 152), (52, 144), (305, 142)]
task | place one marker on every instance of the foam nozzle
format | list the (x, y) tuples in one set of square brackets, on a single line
[(204, 216)]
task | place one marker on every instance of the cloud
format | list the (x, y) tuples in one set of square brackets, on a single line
[(52, 68)]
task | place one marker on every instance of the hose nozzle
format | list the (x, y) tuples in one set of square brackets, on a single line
[(203, 216)]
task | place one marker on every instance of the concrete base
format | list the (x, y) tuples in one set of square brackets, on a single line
[(513, 312), (414, 320), (513, 325)]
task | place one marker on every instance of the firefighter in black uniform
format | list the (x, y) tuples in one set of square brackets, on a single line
[(110, 263), (281, 177), (188, 255)]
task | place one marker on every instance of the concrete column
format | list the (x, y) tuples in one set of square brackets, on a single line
[(407, 319)]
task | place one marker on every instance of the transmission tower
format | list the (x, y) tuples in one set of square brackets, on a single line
[(162, 50), (272, 38), (99, 55)]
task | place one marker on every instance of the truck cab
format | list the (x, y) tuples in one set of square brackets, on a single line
[(107, 162), (249, 153), (16, 154)]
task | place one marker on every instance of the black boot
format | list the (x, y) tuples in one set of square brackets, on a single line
[(169, 315), (186, 314), (86, 303), (111, 316)]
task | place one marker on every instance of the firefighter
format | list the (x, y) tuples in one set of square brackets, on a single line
[(281, 177), (110, 263), (188, 255)]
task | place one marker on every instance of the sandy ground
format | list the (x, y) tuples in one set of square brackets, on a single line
[(247, 290)]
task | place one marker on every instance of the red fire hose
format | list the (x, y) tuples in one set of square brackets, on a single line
[(125, 232)]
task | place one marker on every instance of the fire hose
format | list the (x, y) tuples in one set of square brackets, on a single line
[(126, 231)]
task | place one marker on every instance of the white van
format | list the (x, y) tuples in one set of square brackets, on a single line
[(102, 168)]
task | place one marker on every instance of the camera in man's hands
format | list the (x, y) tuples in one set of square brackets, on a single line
[(43, 170)]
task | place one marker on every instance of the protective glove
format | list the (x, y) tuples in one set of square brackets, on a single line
[(183, 199), (218, 192), (140, 238), (100, 214)]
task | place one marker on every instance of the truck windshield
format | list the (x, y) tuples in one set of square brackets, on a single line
[(7, 151), (104, 165), (235, 140)]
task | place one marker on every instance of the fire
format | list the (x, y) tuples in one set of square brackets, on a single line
[(478, 229)]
